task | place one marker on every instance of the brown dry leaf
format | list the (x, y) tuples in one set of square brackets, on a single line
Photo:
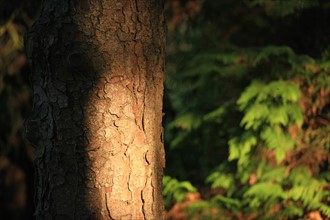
[(193, 8), (294, 131), (177, 212), (275, 209), (312, 67), (17, 64), (314, 215), (253, 179)]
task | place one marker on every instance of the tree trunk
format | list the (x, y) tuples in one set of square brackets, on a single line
[(98, 69)]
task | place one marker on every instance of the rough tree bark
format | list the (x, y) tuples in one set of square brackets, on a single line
[(98, 69)]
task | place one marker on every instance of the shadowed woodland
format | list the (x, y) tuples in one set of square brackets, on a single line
[(246, 103)]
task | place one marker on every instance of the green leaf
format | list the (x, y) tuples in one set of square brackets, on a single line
[(270, 52), (254, 116), (292, 211), (249, 94), (216, 114), (325, 209), (277, 140), (295, 114), (229, 203), (264, 191), (175, 191), (187, 186), (278, 116), (220, 180), (239, 148), (273, 174), (186, 121)]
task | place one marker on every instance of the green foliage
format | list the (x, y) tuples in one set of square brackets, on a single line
[(239, 148), (306, 189), (219, 179), (186, 122), (200, 209), (275, 103), (291, 211), (269, 108), (250, 110), (283, 8), (258, 144), (175, 191), (226, 202), (325, 209), (263, 192)]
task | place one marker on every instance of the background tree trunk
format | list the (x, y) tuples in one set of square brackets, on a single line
[(98, 71)]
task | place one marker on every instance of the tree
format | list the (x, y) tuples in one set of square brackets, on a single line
[(97, 111)]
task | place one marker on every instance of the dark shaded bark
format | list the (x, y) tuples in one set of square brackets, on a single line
[(98, 70)]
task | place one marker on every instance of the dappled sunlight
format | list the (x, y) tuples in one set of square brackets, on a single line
[(246, 110)]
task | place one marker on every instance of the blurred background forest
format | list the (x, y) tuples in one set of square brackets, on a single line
[(247, 109)]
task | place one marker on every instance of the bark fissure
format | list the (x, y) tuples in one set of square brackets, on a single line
[(98, 85)]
